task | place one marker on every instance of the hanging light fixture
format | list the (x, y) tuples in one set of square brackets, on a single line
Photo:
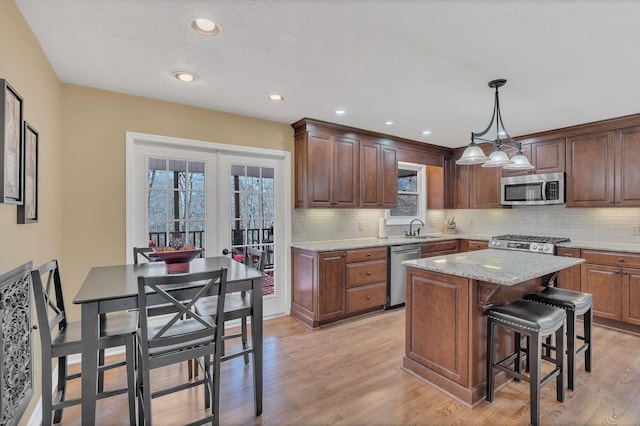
[(473, 154)]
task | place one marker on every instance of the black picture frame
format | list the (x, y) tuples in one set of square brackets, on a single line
[(11, 145), (28, 210)]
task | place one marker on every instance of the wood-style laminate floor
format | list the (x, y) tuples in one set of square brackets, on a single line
[(350, 374)]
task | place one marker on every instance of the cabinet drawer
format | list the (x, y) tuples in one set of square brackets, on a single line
[(362, 273), (438, 247), (478, 245), (438, 253), (611, 258), (366, 254), (365, 297)]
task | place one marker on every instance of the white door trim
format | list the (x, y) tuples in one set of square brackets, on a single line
[(134, 138)]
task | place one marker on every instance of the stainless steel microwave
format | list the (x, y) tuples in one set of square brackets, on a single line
[(532, 190)]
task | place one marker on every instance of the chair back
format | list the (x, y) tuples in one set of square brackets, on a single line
[(144, 252), (255, 258), (184, 326), (47, 295)]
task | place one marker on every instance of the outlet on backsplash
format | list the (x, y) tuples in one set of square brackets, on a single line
[(634, 229)]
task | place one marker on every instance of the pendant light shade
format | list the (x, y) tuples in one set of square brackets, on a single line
[(498, 158), (520, 162), (473, 154)]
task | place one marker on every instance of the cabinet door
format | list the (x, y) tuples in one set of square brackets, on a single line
[(378, 176), (549, 156), (627, 167), (435, 187), (590, 170), (477, 245), (569, 278), (604, 284), (345, 160), (331, 285), (319, 171), (631, 296), (485, 192)]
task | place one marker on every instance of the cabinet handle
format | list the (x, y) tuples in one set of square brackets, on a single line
[(621, 260), (567, 255), (617, 272), (368, 273), (368, 297), (612, 202), (625, 273), (368, 254)]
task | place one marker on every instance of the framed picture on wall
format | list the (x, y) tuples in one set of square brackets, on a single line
[(11, 145), (28, 211)]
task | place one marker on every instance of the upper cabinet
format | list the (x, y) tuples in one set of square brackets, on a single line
[(326, 170), (343, 167), (378, 175), (477, 187), (602, 169), (547, 156)]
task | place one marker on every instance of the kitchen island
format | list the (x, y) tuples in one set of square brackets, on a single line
[(446, 297)]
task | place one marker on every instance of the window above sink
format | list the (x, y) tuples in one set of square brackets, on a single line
[(411, 195)]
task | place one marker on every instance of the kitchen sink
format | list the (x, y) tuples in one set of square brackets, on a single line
[(419, 237)]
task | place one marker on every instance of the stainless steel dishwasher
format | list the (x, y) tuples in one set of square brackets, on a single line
[(397, 273)]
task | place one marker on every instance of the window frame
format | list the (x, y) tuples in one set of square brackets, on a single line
[(421, 186)]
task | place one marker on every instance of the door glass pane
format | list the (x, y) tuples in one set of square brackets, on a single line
[(253, 214), (176, 201)]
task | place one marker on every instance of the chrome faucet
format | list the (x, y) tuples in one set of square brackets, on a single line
[(417, 231)]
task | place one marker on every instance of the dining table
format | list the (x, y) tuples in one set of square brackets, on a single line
[(115, 288)]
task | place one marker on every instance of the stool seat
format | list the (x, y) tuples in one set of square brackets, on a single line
[(532, 316), (565, 299)]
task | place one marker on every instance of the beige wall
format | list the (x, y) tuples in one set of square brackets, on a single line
[(26, 68), (93, 171)]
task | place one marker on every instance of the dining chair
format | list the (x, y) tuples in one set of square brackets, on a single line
[(186, 335), (61, 338), (237, 306), (145, 253)]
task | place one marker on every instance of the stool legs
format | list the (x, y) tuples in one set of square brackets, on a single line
[(491, 359), (587, 321)]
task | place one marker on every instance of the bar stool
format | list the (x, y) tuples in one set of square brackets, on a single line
[(575, 303), (535, 321)]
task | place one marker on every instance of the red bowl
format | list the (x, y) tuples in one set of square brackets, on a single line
[(177, 260)]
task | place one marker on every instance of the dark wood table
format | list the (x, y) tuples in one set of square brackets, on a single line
[(115, 288)]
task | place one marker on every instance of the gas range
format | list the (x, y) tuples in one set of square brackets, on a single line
[(530, 243)]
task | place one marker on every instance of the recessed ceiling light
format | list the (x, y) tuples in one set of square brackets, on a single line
[(341, 112), (185, 76), (276, 98), (205, 27), (389, 123), (425, 132)]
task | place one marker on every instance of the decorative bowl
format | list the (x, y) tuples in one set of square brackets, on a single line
[(177, 260)]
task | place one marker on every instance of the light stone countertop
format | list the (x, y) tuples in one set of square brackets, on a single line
[(333, 245), (503, 267), (625, 248)]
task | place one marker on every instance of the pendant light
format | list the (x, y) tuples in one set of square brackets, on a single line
[(473, 154)]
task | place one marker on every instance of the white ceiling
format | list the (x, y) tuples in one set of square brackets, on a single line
[(424, 64)]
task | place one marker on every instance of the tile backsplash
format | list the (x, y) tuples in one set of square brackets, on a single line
[(588, 224)]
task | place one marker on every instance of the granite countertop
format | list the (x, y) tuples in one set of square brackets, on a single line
[(503, 267), (357, 243), (626, 248)]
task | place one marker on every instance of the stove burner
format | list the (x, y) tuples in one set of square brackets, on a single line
[(532, 239), (530, 243)]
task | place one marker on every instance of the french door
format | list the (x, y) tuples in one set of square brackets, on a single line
[(221, 202)]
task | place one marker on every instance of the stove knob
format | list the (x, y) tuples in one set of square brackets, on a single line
[(546, 247), (534, 247)]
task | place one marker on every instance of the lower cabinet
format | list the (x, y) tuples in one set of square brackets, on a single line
[(438, 248), (477, 245), (331, 286), (613, 279), (569, 278)]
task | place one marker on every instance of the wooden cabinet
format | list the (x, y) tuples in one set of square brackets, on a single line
[(602, 169), (438, 248), (477, 187), (548, 156), (477, 245), (435, 187), (331, 286), (613, 278), (326, 170), (378, 175), (569, 278)]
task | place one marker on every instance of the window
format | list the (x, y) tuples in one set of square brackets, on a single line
[(411, 195)]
